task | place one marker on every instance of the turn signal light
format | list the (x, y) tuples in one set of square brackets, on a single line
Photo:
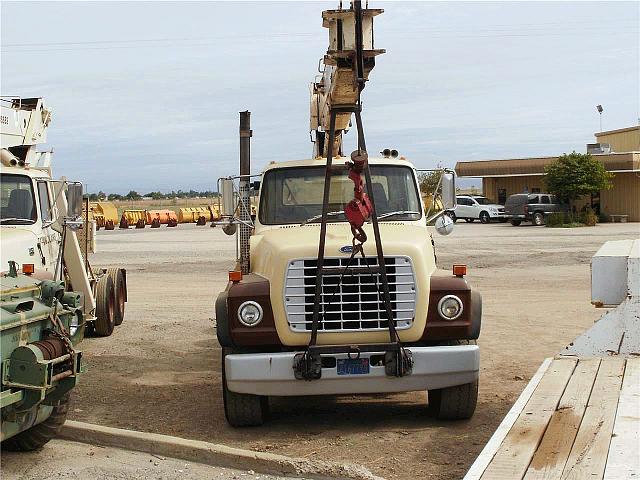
[(28, 268), (459, 270), (235, 276)]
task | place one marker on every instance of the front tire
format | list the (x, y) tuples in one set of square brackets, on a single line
[(454, 403), (516, 223), (242, 409), (484, 217), (38, 435)]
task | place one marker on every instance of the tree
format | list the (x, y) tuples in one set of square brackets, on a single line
[(114, 196), (102, 195), (133, 195), (574, 175), (429, 181)]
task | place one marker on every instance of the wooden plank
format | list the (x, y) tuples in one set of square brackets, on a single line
[(588, 455), (517, 449), (623, 462), (553, 451), (492, 446)]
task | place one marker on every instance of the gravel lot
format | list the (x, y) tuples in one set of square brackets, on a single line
[(160, 371)]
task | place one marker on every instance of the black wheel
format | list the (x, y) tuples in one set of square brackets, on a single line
[(516, 223), (469, 220), (452, 216), (538, 219), (484, 217), (454, 403), (120, 286), (241, 409), (105, 306), (38, 435)]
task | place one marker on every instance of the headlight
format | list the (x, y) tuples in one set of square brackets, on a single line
[(450, 307), (250, 314)]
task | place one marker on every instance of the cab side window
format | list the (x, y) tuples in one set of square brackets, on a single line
[(533, 199), (45, 202), (545, 199)]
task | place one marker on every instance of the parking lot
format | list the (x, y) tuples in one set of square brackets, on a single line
[(160, 370)]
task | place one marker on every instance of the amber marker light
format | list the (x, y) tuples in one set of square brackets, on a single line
[(459, 270), (235, 276)]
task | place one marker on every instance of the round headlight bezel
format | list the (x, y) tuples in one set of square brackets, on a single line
[(252, 304), (441, 303)]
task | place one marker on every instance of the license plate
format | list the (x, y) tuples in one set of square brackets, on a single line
[(353, 366)]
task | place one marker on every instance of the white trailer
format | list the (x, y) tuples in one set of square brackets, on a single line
[(579, 416)]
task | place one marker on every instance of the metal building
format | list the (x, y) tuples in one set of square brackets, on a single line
[(620, 155)]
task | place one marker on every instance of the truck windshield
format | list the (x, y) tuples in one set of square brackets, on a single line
[(293, 195), (17, 201)]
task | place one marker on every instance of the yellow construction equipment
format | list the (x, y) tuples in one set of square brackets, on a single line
[(105, 214), (133, 217)]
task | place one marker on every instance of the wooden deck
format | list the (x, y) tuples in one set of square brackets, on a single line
[(577, 419)]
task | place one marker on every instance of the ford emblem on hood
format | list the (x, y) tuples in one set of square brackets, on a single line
[(347, 249)]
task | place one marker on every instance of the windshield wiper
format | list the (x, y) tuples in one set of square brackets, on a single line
[(318, 217), (399, 212), (20, 220)]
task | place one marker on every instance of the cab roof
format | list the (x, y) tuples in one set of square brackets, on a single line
[(321, 162)]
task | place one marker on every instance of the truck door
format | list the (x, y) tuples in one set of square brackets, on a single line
[(49, 239)]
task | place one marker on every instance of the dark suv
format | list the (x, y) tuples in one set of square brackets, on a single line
[(531, 207)]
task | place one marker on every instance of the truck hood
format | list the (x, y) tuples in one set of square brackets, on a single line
[(273, 250), (17, 245)]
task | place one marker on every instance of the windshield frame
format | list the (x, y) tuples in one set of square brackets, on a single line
[(482, 200), (260, 218), (33, 221)]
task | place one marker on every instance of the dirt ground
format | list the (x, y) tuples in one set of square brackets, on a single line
[(160, 370)]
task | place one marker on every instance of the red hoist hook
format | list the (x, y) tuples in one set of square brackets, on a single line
[(359, 209)]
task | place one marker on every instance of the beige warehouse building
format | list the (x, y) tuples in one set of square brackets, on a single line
[(501, 178)]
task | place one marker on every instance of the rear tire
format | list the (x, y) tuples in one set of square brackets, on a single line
[(38, 435), (516, 223), (484, 217), (120, 287), (538, 219), (105, 306), (242, 409)]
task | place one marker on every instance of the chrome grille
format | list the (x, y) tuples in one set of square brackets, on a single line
[(353, 304)]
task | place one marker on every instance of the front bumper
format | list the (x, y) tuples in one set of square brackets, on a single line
[(272, 373)]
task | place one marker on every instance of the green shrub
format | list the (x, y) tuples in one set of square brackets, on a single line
[(556, 219)]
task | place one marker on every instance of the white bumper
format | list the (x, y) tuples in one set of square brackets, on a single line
[(272, 373)]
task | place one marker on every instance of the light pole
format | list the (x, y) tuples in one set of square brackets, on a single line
[(600, 109)]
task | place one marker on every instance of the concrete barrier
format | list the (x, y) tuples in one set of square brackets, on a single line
[(211, 453)]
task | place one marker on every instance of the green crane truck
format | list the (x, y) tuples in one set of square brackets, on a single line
[(40, 325)]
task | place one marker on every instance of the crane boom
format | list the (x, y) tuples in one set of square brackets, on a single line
[(341, 82)]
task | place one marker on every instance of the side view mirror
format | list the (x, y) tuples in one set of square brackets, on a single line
[(448, 191), (255, 186), (228, 203), (74, 200)]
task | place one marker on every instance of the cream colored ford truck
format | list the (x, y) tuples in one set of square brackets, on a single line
[(264, 316)]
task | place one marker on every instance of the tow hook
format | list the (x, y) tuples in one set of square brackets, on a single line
[(307, 366), (398, 363)]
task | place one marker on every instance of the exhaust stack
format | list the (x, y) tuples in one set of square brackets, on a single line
[(244, 187)]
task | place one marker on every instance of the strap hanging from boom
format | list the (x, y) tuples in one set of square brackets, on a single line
[(398, 362)]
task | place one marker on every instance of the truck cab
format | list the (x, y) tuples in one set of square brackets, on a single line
[(264, 316), (27, 219)]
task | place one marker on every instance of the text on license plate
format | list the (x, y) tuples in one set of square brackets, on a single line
[(353, 366)]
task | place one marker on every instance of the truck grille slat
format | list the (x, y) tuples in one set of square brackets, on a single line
[(356, 304)]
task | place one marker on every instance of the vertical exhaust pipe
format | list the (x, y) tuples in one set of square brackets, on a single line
[(245, 201)]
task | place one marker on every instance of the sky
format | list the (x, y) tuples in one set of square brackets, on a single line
[(146, 95)]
